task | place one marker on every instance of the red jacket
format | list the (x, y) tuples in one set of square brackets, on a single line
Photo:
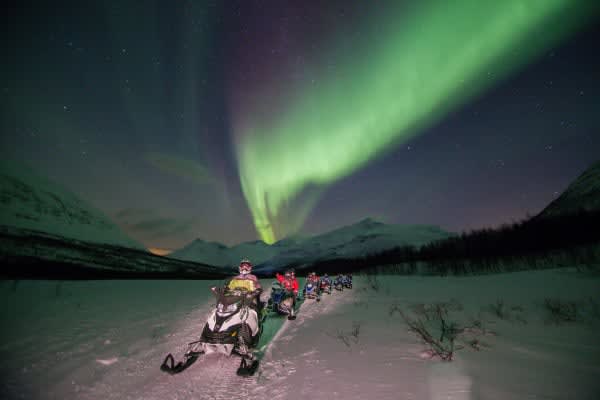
[(288, 284)]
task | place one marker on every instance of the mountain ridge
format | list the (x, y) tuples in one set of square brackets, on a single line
[(583, 194), (364, 237), (30, 201)]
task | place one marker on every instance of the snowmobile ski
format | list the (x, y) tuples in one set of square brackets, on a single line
[(170, 367), (247, 367)]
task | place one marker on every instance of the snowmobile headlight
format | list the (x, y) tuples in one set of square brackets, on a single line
[(223, 310), (232, 307)]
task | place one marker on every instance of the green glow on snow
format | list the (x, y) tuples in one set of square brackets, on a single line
[(418, 65)]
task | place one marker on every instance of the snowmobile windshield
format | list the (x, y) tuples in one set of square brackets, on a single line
[(228, 296)]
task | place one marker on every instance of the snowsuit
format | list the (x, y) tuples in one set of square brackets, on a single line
[(327, 280), (288, 284), (248, 281), (316, 283)]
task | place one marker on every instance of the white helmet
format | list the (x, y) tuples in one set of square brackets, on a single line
[(245, 267)]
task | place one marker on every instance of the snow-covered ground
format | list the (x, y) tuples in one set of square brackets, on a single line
[(89, 340)]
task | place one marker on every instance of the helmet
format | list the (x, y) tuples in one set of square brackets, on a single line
[(290, 273), (245, 267)]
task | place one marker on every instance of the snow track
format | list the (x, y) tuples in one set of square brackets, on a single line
[(212, 376), (106, 340)]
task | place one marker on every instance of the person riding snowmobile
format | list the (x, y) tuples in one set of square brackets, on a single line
[(338, 283), (325, 284), (347, 281), (314, 280), (234, 326), (246, 280), (290, 284), (288, 281), (313, 277)]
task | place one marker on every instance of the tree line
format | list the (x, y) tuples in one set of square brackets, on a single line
[(537, 242)]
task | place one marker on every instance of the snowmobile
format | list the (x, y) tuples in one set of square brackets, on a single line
[(347, 281), (234, 327), (338, 284), (311, 291), (281, 301), (325, 286)]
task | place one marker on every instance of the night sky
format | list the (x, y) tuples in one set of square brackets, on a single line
[(233, 121)]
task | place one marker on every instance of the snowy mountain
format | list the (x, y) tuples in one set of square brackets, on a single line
[(218, 254), (365, 237), (31, 202), (582, 194)]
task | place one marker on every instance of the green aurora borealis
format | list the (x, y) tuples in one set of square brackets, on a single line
[(413, 68)]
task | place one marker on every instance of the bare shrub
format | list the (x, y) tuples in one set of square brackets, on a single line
[(505, 312), (443, 335), (444, 351), (355, 331), (373, 282), (498, 309), (348, 337), (560, 311), (394, 308)]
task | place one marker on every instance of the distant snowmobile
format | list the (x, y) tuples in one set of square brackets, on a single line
[(282, 301), (325, 286), (347, 281), (338, 283), (311, 291), (234, 326)]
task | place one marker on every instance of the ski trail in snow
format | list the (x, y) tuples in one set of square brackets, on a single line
[(136, 374), (275, 371)]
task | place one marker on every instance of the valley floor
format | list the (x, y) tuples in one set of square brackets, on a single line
[(106, 339)]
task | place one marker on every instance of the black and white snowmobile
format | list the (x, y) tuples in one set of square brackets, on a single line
[(282, 301), (234, 327)]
